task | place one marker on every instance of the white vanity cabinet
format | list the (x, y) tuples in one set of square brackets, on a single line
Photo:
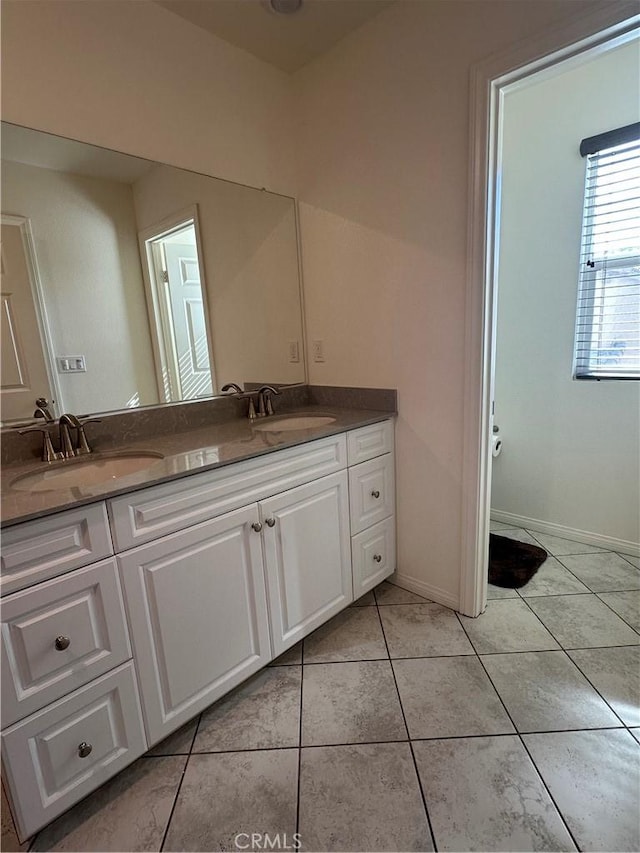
[(172, 595)]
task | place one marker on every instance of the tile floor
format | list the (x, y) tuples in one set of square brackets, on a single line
[(401, 726)]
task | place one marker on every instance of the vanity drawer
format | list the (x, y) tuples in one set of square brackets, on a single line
[(371, 492), (369, 441), (150, 513), (373, 555), (59, 635), (44, 768), (38, 550)]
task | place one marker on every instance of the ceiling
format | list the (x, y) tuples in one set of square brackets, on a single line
[(286, 41)]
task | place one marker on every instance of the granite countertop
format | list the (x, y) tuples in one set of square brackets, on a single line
[(184, 453)]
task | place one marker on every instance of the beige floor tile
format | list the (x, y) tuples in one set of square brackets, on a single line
[(449, 697), (582, 621), (388, 593), (226, 797), (507, 626), (354, 634), (545, 691), (484, 794), (603, 572), (350, 703), (263, 713), (364, 797), (594, 778), (558, 546), (130, 812), (625, 604), (615, 673), (552, 578), (423, 630)]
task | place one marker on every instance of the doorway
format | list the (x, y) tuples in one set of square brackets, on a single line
[(178, 310), (600, 31), (26, 361)]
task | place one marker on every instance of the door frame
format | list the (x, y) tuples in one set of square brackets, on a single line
[(155, 311), (23, 223), (600, 30)]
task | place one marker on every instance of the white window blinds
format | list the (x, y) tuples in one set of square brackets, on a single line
[(607, 341)]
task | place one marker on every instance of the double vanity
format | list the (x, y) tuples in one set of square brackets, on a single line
[(144, 585)]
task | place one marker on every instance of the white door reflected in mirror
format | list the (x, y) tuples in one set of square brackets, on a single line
[(25, 374), (177, 311)]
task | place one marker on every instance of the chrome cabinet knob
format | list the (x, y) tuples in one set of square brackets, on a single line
[(375, 493), (62, 643), (256, 526), (270, 522), (377, 558), (84, 749)]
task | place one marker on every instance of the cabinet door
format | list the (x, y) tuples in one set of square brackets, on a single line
[(308, 560), (197, 610)]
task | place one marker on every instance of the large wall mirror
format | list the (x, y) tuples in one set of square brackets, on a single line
[(131, 283)]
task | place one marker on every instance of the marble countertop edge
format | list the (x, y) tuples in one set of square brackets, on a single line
[(184, 453)]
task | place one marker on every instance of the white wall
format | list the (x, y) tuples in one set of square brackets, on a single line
[(87, 252), (384, 142), (570, 449), (251, 268), (132, 76)]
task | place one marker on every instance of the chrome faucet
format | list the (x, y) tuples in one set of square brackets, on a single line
[(43, 410), (265, 406), (67, 422), (242, 395)]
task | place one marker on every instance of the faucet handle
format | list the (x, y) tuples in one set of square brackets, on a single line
[(231, 386), (48, 453), (83, 444)]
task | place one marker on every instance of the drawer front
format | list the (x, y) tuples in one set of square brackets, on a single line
[(371, 492), (142, 516), (373, 555), (59, 635), (38, 550), (368, 442), (47, 770)]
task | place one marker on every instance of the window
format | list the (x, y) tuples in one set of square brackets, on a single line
[(607, 341)]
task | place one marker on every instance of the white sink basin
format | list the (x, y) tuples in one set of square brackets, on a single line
[(91, 471), (287, 422)]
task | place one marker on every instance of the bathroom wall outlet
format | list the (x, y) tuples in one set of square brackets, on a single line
[(318, 350), (71, 364), (294, 352)]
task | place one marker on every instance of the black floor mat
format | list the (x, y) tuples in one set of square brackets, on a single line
[(512, 564)]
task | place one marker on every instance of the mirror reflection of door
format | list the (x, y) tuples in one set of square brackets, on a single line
[(23, 365), (178, 323)]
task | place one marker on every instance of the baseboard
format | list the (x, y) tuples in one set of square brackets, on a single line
[(426, 590), (609, 543)]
